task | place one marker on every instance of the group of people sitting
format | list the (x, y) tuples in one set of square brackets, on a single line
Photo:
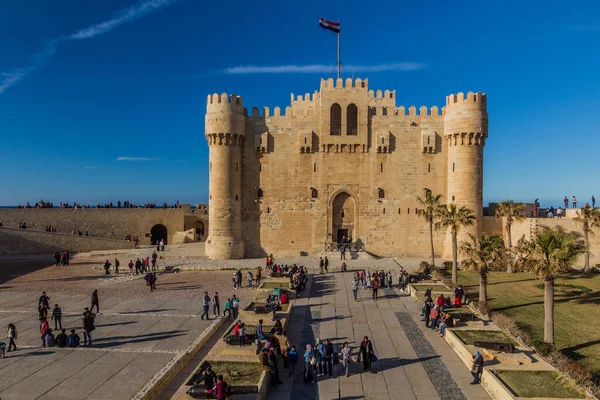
[(434, 313)]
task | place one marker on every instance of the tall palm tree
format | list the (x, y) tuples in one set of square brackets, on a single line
[(430, 204), (513, 212), (450, 216), (550, 252), (482, 255), (590, 219)]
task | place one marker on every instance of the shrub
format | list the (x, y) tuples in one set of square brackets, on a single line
[(447, 265), (544, 348)]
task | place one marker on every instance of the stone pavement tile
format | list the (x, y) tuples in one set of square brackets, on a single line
[(49, 376), (27, 365), (124, 384), (328, 395), (374, 383), (327, 385), (351, 391), (161, 335), (401, 393), (395, 377), (421, 385), (82, 383), (116, 358), (150, 360), (378, 396)]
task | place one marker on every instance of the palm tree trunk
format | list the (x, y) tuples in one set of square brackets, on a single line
[(431, 240), (586, 256), (483, 291), (549, 310), (454, 259), (509, 267)]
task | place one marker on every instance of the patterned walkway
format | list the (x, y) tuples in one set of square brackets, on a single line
[(414, 363)]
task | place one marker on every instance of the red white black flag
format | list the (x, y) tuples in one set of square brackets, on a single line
[(332, 26)]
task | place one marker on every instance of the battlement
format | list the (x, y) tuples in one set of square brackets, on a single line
[(339, 83), (423, 111), (469, 98), (266, 112), (224, 98)]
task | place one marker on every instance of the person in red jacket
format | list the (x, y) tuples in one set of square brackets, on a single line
[(440, 300), (283, 298)]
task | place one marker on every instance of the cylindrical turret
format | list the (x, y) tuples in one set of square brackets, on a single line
[(465, 132), (225, 131)]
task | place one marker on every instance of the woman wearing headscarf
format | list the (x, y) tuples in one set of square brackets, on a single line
[(477, 369), (308, 365), (366, 353)]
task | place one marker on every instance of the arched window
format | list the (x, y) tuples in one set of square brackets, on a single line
[(335, 119), (381, 193), (352, 120), (259, 194), (314, 193)]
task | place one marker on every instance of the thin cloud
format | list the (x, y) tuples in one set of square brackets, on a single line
[(320, 68), (137, 158), (11, 78)]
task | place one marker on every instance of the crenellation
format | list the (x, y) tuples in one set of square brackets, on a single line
[(341, 142)]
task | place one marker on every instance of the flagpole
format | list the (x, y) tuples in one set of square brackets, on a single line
[(339, 63)]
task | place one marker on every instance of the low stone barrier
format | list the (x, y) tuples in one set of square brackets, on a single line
[(157, 384)]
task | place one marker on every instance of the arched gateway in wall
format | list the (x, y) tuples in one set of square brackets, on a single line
[(158, 233), (343, 212)]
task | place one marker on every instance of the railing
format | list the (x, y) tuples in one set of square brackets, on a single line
[(352, 247)]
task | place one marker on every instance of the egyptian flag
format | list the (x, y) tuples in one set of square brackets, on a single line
[(332, 26)]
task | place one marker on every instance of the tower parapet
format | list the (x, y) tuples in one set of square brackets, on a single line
[(225, 123), (465, 132)]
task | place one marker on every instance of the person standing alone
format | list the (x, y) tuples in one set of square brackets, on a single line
[(95, 302), (88, 326)]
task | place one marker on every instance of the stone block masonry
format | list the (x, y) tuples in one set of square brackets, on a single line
[(344, 162)]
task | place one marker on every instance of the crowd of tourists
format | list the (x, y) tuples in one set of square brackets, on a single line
[(119, 204)]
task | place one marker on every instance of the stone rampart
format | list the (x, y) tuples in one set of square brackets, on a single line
[(15, 241), (111, 223)]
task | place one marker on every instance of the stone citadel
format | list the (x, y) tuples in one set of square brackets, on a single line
[(342, 163)]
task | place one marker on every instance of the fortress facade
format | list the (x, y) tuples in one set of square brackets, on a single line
[(344, 162)]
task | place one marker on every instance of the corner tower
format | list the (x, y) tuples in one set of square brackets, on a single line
[(465, 132), (225, 131)]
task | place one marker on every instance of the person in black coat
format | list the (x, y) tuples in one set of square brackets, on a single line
[(366, 353)]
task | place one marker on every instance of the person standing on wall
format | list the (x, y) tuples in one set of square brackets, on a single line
[(574, 202)]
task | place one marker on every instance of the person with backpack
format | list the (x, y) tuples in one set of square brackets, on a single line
[(12, 336), (88, 327), (73, 339)]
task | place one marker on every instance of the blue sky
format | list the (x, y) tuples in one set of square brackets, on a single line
[(86, 83)]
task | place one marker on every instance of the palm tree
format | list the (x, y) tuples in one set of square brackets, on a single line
[(450, 216), (430, 205), (590, 219), (513, 212), (483, 255), (550, 252)]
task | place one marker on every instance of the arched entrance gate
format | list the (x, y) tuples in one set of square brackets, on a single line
[(158, 233), (343, 218)]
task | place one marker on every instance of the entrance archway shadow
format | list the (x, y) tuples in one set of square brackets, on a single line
[(157, 233)]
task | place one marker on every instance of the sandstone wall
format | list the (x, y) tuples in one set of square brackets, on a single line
[(111, 223), (15, 241), (526, 227), (290, 155)]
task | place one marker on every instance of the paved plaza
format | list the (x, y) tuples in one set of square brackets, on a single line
[(133, 340), (414, 363)]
